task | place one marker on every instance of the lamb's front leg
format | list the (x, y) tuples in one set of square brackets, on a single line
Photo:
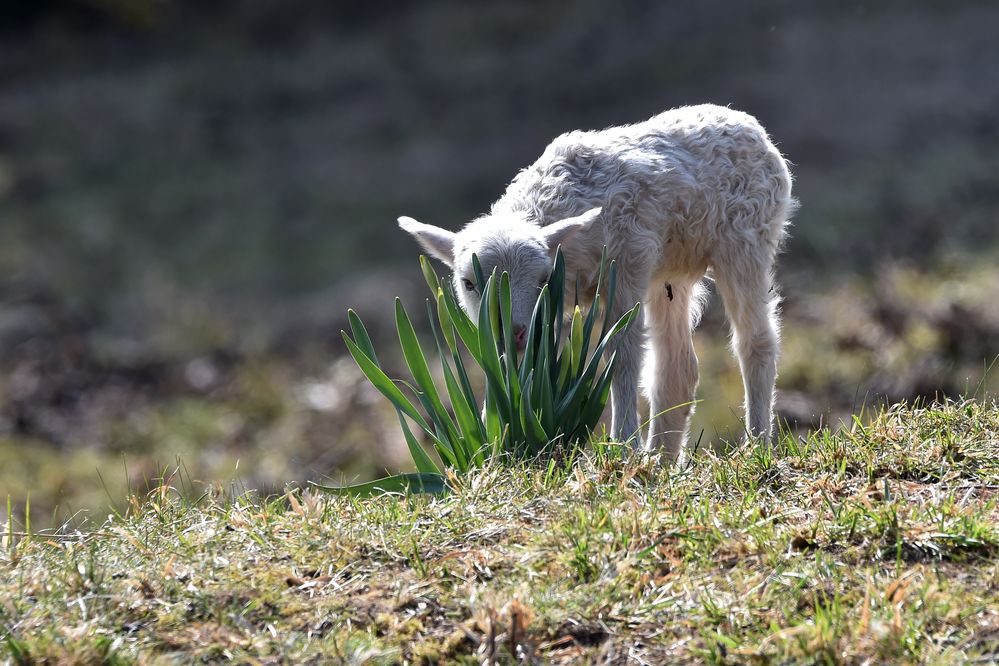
[(624, 386), (670, 372)]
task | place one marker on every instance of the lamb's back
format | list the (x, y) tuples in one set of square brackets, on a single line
[(677, 157)]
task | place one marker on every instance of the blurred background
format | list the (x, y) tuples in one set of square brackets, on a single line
[(193, 193)]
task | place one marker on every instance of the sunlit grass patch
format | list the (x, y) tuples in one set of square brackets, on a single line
[(879, 544)]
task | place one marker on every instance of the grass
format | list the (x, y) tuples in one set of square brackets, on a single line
[(880, 544)]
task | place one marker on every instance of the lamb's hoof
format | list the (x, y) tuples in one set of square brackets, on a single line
[(663, 458)]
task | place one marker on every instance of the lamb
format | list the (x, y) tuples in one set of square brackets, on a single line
[(692, 192)]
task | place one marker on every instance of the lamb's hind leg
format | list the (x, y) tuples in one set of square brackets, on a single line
[(747, 288), (670, 372)]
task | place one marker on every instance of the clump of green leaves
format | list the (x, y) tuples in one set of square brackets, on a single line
[(551, 395)]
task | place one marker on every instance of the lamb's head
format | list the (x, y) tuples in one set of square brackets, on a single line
[(505, 243)]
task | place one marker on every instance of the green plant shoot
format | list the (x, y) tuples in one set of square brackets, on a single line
[(550, 396)]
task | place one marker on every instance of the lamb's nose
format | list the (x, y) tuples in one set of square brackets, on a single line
[(520, 336)]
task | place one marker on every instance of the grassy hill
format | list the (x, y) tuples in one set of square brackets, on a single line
[(879, 544)]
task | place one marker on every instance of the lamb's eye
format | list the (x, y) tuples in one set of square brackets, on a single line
[(468, 284)]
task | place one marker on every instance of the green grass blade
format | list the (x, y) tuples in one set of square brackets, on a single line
[(419, 482), (534, 335), (495, 431), (491, 298), (505, 313), (446, 322), (466, 386), (590, 322), (591, 316), (537, 437), (480, 278), (564, 374), (509, 345), (575, 341), (417, 363), (573, 399), (473, 435), (488, 356), (361, 336), (463, 324), (444, 441), (542, 394), (596, 401), (445, 434), (413, 354), (622, 325), (430, 275), (382, 383), (460, 394), (424, 463)]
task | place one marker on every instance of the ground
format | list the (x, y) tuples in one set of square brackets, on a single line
[(878, 544)]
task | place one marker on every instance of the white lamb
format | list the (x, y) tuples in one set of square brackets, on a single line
[(692, 190)]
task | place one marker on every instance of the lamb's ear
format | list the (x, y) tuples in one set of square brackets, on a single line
[(438, 242), (560, 232)]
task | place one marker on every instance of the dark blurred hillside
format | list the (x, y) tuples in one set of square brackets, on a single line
[(193, 193), (261, 150)]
